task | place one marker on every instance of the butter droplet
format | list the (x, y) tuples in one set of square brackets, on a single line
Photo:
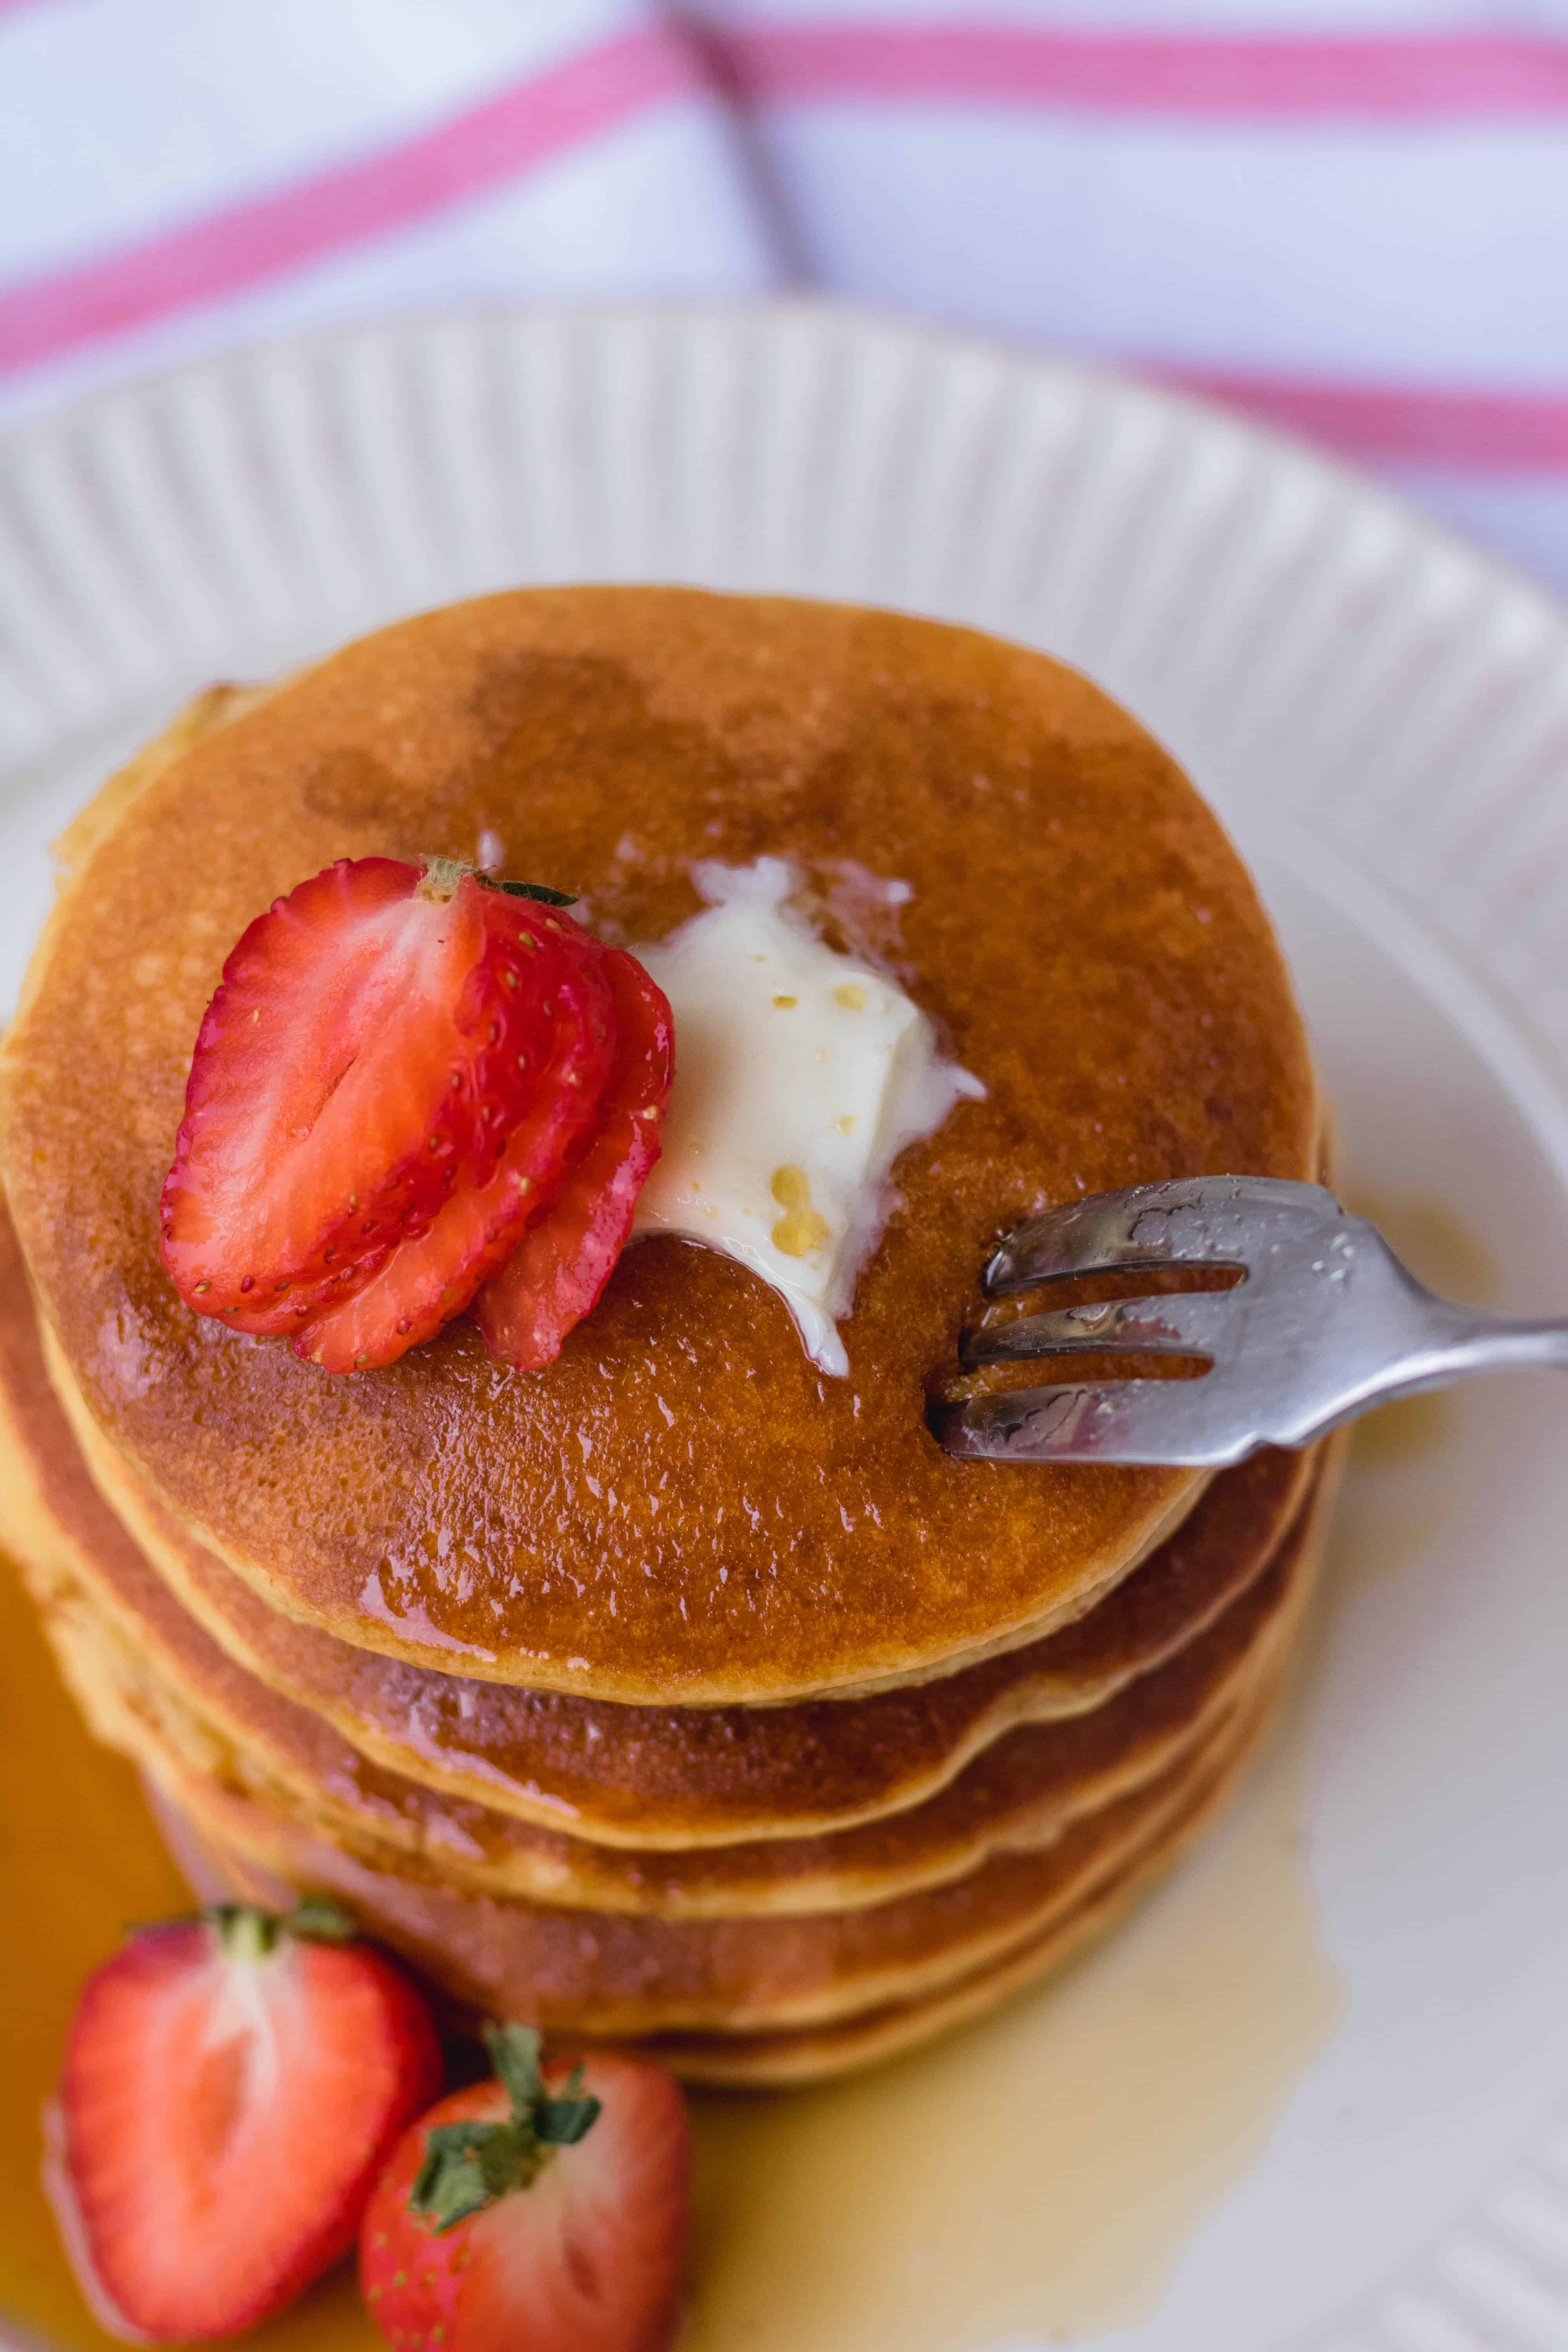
[(850, 994), (846, 1125), (800, 1229), (785, 1002)]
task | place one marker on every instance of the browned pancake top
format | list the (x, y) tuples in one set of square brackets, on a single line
[(680, 1777), (662, 1778), (682, 1507)]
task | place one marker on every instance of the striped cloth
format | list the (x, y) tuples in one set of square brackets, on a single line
[(1349, 217)]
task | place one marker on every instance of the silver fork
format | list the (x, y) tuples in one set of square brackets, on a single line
[(1324, 1323)]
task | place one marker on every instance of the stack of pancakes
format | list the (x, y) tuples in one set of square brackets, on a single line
[(680, 1694)]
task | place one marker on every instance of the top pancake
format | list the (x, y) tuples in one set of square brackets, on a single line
[(682, 1508)]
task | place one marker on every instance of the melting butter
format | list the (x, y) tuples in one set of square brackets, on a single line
[(800, 1076)]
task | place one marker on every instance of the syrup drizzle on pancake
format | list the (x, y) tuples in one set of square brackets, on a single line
[(746, 1531)]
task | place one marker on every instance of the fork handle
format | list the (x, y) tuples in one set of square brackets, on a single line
[(1441, 1345), (1450, 1344), (1497, 1343)]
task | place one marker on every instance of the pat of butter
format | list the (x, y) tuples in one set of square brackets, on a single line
[(800, 1075)]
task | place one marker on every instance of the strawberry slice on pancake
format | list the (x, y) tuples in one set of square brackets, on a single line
[(556, 1273), (403, 1067)]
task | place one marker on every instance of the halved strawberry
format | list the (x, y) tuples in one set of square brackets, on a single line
[(433, 1275), (298, 1071), (390, 1081), (232, 2086), (556, 1273), (543, 2213)]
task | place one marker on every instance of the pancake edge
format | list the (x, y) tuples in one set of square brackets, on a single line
[(149, 1705), (216, 708)]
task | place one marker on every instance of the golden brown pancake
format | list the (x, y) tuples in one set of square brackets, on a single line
[(1017, 1796), (1078, 923), (814, 2054), (810, 2053), (119, 1623), (653, 1777), (614, 1975)]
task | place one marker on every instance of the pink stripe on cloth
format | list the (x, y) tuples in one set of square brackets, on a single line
[(498, 140), (1193, 74), (1486, 432)]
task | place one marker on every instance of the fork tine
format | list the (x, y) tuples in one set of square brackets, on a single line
[(1191, 1323), (1126, 1421), (1192, 1221)]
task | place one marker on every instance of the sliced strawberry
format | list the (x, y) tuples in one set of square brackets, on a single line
[(231, 2090), (545, 2216), (383, 1039), (555, 1274), (427, 1279), (297, 1071)]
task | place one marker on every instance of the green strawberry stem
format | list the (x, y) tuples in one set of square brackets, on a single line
[(468, 2166), (317, 1919), (247, 1932), (442, 875)]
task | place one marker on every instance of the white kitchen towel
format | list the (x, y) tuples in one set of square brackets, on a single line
[(1348, 216), (181, 175)]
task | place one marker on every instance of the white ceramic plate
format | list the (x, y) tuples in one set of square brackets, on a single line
[(1383, 718)]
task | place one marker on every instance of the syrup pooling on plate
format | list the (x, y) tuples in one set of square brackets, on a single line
[(801, 1074), (1038, 2178)]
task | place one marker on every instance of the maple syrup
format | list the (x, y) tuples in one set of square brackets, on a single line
[(80, 1859), (1038, 2174), (1041, 2170)]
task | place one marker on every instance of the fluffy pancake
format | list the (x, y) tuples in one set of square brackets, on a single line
[(652, 1777), (1017, 1796), (814, 2054), (611, 1975), (120, 1625), (748, 1530)]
